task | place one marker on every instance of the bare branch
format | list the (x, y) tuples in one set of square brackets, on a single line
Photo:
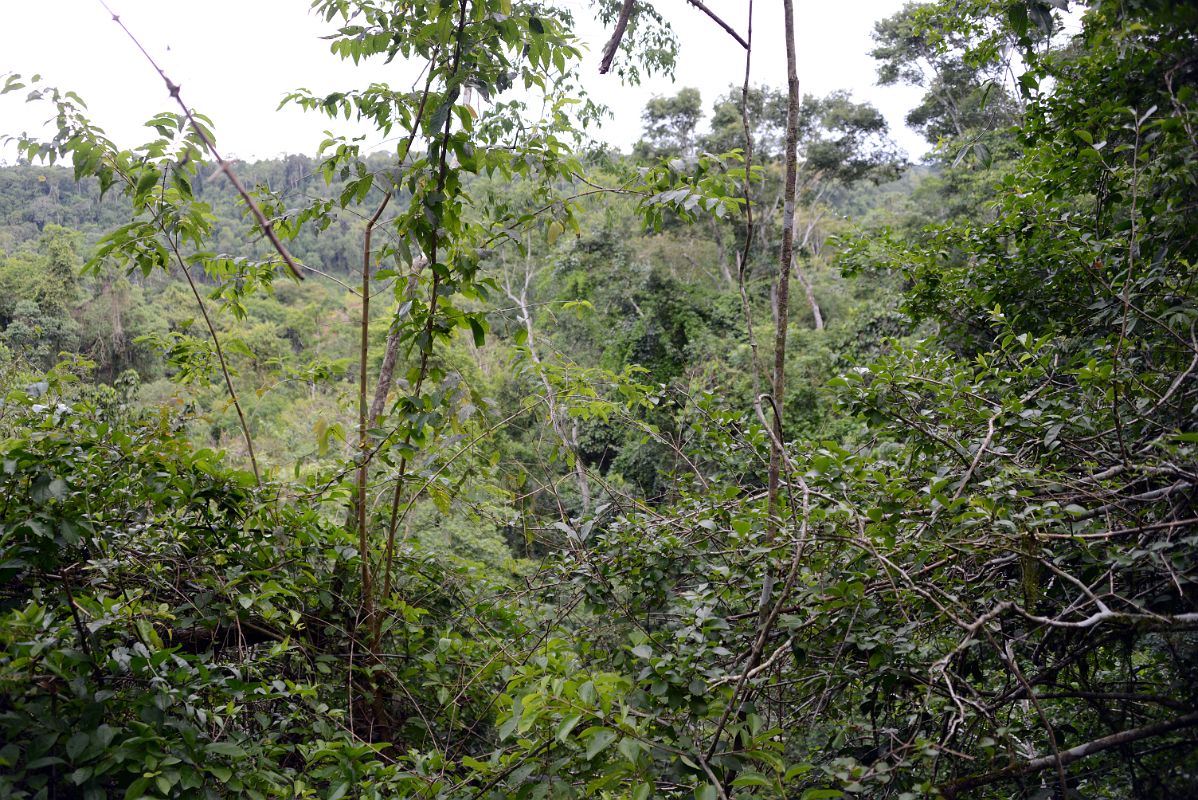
[(1067, 757), (720, 22)]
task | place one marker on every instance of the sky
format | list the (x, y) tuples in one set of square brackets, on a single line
[(236, 59)]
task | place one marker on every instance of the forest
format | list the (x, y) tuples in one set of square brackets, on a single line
[(756, 461)]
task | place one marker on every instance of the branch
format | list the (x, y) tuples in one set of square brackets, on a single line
[(613, 44), (220, 353), (954, 790), (720, 22), (260, 218), (1143, 497)]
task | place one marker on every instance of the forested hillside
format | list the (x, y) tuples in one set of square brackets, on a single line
[(756, 461)]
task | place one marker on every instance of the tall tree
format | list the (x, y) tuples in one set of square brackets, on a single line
[(968, 87)]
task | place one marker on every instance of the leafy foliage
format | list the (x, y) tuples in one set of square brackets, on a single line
[(543, 562)]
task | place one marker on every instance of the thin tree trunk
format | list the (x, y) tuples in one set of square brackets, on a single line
[(568, 435), (810, 292), (805, 245), (782, 300), (364, 418), (722, 253), (391, 354), (782, 296)]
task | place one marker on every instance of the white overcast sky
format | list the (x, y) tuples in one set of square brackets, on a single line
[(235, 59)]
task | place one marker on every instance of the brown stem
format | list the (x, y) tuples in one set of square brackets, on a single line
[(358, 507), (363, 414)]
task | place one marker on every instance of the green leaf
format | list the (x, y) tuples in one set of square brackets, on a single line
[(567, 725), (76, 744), (137, 789), (57, 488), (437, 121), (146, 181), (508, 727), (225, 749), (630, 748), (599, 739), (480, 333)]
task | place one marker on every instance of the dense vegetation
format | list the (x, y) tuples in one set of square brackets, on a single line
[(462, 470)]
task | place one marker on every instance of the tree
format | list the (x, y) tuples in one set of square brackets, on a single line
[(39, 336), (839, 142), (670, 125), (964, 69), (44, 274), (434, 231)]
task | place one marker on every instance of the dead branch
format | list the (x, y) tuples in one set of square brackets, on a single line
[(391, 352)]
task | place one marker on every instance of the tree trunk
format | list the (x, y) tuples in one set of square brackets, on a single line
[(391, 353), (782, 296), (782, 302)]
